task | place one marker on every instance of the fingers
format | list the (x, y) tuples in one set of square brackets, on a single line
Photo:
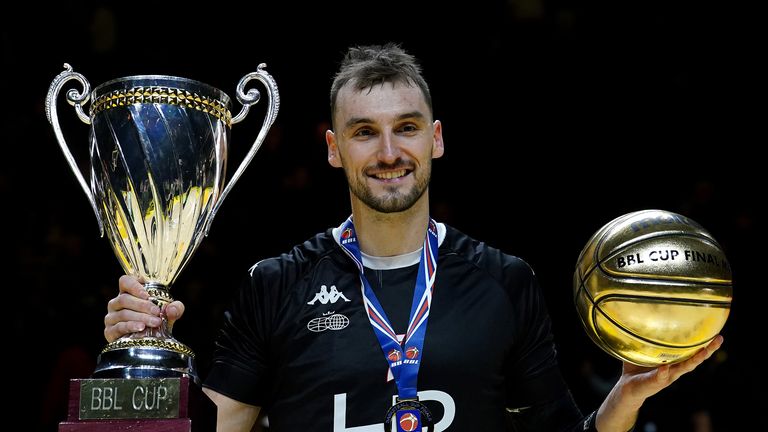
[(130, 311), (679, 369), (131, 285), (125, 300), (174, 311), (715, 345), (662, 374), (116, 331), (639, 383), (133, 310), (121, 322), (136, 320)]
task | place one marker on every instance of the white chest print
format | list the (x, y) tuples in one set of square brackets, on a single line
[(324, 296)]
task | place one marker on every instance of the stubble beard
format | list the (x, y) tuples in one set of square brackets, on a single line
[(394, 200)]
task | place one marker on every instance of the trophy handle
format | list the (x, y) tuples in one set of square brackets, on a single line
[(77, 100), (248, 99)]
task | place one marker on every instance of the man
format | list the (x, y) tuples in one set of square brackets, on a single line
[(392, 314)]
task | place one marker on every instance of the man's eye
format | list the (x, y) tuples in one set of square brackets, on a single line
[(408, 128), (364, 132)]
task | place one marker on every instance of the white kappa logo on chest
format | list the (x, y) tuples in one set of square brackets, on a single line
[(325, 296)]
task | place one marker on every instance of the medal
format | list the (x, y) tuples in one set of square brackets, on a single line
[(410, 415), (403, 359)]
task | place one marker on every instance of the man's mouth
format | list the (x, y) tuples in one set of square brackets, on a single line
[(390, 175)]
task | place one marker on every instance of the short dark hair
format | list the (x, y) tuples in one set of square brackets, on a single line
[(366, 66)]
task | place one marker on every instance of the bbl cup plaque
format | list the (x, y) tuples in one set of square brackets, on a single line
[(158, 156)]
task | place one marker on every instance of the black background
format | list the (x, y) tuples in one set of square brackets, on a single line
[(558, 117)]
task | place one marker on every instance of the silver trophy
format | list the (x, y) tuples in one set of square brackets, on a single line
[(158, 150)]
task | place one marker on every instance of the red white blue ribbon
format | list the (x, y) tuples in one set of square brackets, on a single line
[(404, 359)]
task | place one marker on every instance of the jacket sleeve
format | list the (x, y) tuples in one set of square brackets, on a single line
[(560, 415)]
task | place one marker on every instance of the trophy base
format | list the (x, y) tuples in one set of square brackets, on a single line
[(138, 405), (145, 362), (172, 425)]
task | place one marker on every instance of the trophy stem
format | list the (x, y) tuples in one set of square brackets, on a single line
[(161, 296), (152, 352)]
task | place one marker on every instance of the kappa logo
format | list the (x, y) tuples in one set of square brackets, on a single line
[(324, 296)]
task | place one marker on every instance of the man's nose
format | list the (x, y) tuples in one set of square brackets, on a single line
[(389, 149)]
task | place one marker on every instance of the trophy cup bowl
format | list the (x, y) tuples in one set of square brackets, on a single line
[(158, 153)]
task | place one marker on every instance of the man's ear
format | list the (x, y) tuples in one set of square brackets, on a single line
[(437, 140), (333, 150)]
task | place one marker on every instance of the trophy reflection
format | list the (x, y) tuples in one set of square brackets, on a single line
[(158, 153)]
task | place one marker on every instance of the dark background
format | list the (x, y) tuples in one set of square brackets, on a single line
[(558, 117)]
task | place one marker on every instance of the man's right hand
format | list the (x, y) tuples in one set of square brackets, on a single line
[(132, 311)]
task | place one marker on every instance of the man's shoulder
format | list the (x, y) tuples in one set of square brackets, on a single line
[(479, 254), (300, 258), (460, 244)]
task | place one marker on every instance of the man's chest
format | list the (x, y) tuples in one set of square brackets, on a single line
[(327, 331)]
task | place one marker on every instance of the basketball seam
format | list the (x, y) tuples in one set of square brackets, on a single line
[(595, 257), (601, 241), (661, 344), (713, 303), (614, 278), (595, 306)]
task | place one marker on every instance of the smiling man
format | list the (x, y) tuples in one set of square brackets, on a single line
[(422, 326)]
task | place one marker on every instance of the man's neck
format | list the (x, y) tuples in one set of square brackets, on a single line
[(391, 234)]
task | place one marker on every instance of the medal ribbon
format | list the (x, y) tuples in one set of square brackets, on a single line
[(404, 360)]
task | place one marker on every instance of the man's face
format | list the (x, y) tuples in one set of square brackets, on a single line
[(385, 141)]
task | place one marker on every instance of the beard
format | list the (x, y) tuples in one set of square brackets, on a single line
[(394, 199)]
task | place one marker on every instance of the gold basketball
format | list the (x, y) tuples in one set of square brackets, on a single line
[(652, 287)]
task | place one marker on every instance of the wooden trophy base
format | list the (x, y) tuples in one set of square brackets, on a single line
[(156, 425), (137, 405)]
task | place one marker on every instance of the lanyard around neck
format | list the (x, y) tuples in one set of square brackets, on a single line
[(404, 359)]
